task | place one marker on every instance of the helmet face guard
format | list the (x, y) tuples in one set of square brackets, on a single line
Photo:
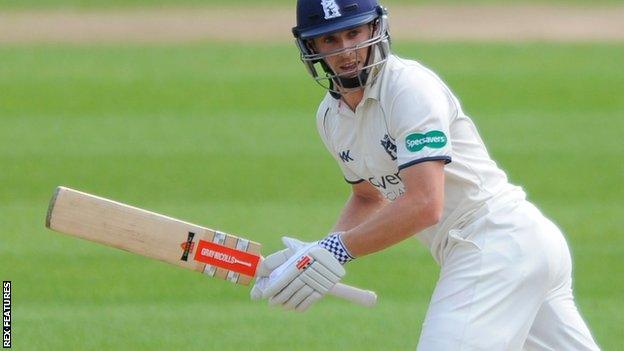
[(378, 46)]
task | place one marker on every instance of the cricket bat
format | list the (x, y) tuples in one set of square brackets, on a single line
[(167, 239)]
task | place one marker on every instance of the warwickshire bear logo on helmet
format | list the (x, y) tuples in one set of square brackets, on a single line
[(331, 9), (322, 17)]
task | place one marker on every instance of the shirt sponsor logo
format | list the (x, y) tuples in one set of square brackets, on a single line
[(434, 139), (390, 147), (344, 156), (390, 185), (330, 8), (385, 181)]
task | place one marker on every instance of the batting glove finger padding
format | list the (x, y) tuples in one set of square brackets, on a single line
[(287, 292), (298, 297), (315, 280), (325, 272), (280, 278), (311, 270), (309, 301)]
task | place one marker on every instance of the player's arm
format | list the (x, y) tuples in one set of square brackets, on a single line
[(311, 271), (363, 201), (419, 208)]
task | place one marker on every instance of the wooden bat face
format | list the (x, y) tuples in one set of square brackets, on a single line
[(153, 235)]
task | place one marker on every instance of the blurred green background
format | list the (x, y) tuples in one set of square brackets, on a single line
[(224, 136), (38, 4)]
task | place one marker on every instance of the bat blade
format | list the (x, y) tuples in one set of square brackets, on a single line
[(164, 238), (153, 235)]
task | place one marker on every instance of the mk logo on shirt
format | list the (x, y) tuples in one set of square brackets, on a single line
[(344, 156), (390, 147)]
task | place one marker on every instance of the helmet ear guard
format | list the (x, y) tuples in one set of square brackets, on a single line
[(305, 50)]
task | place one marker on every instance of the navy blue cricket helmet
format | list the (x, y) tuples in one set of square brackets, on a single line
[(321, 17)]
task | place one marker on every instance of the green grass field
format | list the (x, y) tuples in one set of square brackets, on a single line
[(224, 136)]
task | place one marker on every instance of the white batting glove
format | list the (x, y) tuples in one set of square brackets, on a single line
[(306, 273), (303, 279), (271, 262)]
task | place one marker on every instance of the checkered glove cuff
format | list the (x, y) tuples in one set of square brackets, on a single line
[(334, 244)]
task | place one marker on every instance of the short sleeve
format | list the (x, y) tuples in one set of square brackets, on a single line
[(420, 119), (348, 174)]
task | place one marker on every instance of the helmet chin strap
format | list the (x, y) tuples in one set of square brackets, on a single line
[(355, 82), (349, 83)]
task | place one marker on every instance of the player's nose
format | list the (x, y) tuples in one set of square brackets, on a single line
[(348, 43), (345, 44)]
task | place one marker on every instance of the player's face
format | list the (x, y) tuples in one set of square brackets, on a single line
[(346, 63)]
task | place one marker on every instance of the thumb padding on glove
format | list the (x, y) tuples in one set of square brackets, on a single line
[(293, 244), (258, 288), (266, 266), (265, 286), (278, 258), (272, 261)]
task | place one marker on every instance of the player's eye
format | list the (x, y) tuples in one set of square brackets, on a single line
[(354, 33), (328, 39)]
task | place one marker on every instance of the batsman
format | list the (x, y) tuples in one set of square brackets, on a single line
[(417, 166)]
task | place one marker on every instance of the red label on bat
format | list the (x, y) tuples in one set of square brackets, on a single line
[(228, 258)]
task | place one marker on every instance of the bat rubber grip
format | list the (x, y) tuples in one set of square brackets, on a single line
[(356, 295)]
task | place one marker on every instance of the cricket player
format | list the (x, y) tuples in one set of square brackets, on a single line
[(417, 166)]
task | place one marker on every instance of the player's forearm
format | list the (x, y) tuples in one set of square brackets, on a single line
[(392, 224), (356, 210)]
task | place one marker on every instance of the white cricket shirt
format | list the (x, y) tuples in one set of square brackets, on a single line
[(406, 117)]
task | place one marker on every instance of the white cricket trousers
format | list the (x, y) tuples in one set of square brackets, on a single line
[(505, 285)]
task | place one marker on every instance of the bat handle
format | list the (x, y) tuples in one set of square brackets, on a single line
[(356, 295)]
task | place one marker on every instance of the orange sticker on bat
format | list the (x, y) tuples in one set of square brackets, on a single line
[(187, 246), (228, 258)]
